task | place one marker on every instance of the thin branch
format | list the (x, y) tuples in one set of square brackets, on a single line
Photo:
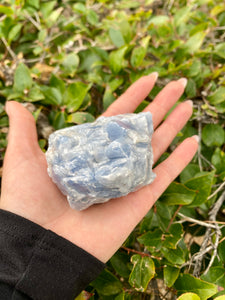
[(202, 253), (8, 48), (220, 28), (207, 161), (174, 216), (143, 254), (217, 191), (195, 221), (37, 18), (205, 248), (35, 23), (222, 240), (216, 207), (216, 244)]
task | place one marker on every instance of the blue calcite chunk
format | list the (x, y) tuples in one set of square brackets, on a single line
[(94, 162)]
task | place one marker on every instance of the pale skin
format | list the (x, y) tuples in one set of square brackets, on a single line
[(28, 191)]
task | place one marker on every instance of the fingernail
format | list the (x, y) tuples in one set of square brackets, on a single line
[(196, 137), (183, 81), (190, 102), (155, 75)]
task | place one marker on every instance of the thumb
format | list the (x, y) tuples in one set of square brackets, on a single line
[(22, 128)]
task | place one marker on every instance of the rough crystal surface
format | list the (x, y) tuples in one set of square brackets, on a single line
[(94, 162)]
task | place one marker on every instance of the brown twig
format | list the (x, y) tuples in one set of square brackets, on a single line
[(143, 254), (174, 216)]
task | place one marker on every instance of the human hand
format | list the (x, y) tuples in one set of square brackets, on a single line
[(28, 191)]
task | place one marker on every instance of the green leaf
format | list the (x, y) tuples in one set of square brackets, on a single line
[(70, 64), (57, 83), (137, 56), (194, 70), (116, 37), (35, 94), (74, 95), (108, 98), (151, 238), (126, 30), (194, 43), (80, 8), (189, 296), (218, 96), (159, 20), (129, 4), (215, 275), (42, 35), (221, 251), (202, 185), (218, 160), (80, 118), (217, 9), (173, 236), (42, 143), (54, 16), (174, 256), (107, 284), (191, 89), (4, 121), (189, 172), (59, 121), (178, 194), (145, 224), (22, 79), (14, 32), (88, 59), (33, 3), (143, 271), (46, 8), (92, 17), (120, 262), (188, 283), (83, 296), (220, 298), (170, 275), (163, 210), (116, 60), (213, 135), (115, 83), (6, 10), (120, 296), (182, 15), (52, 95), (220, 50)]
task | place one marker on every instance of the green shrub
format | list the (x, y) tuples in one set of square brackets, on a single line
[(69, 60)]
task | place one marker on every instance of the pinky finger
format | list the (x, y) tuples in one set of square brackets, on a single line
[(170, 168)]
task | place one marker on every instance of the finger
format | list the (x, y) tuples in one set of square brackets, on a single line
[(170, 168), (170, 128), (22, 127), (165, 100), (133, 96)]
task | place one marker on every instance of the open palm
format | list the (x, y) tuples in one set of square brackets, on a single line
[(28, 191)]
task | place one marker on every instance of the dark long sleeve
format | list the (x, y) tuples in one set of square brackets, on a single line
[(36, 263)]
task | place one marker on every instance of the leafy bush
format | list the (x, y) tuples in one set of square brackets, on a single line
[(69, 60)]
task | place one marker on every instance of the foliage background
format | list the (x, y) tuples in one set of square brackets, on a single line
[(69, 60)]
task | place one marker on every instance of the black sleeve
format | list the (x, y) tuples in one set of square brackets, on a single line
[(36, 263)]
